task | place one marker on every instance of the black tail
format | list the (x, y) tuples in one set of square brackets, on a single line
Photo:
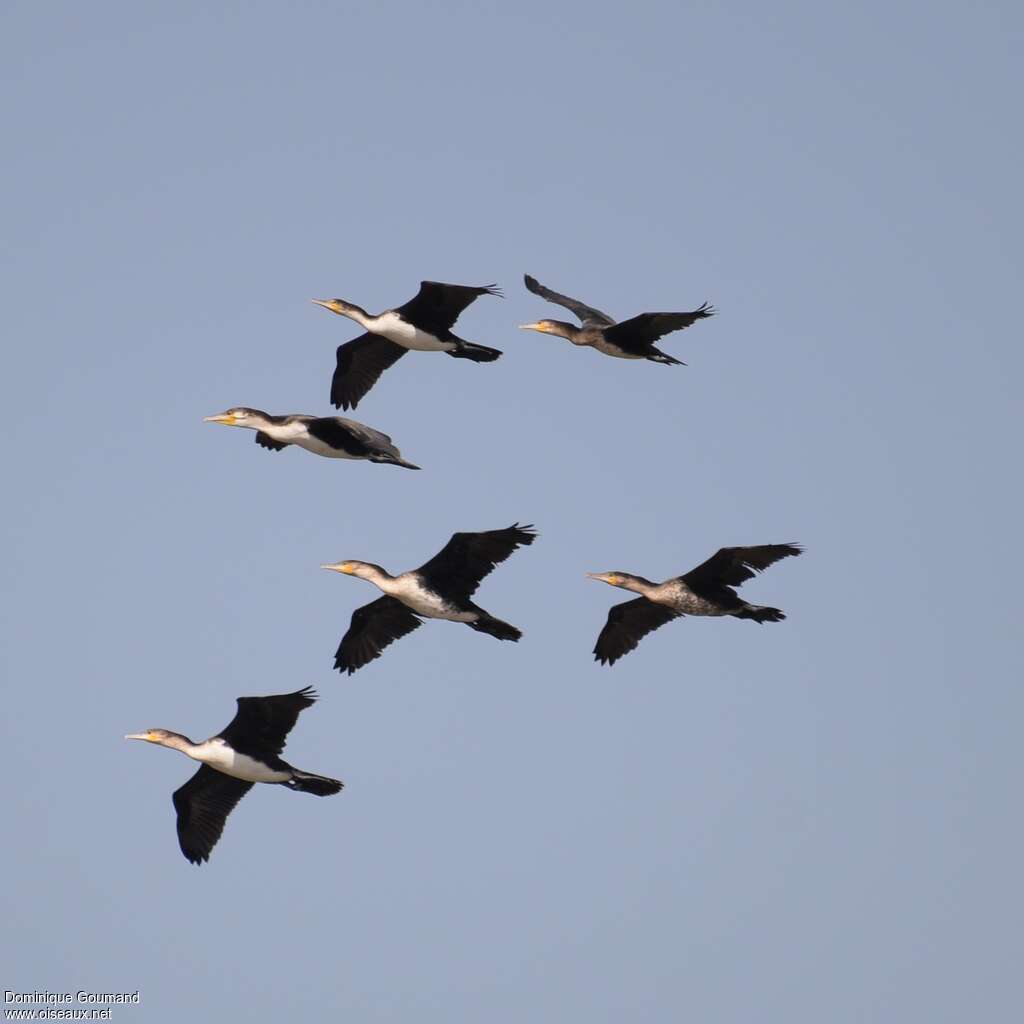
[(495, 627), (318, 785), (392, 460), (478, 353), (761, 613), (657, 356)]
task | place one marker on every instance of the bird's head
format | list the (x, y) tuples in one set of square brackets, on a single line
[(240, 416), (339, 306), (364, 570), (614, 579), (544, 326), (151, 735)]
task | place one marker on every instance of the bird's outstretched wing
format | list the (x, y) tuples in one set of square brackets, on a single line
[(262, 724), (644, 330), (589, 316), (732, 566), (266, 441), (360, 364), (373, 627), (203, 805), (628, 623), (467, 558), (436, 306)]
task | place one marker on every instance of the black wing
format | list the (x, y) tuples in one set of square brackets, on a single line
[(203, 805), (589, 316), (360, 364), (266, 441), (436, 306), (628, 623), (261, 724), (732, 566), (640, 332), (373, 627), (457, 569), (334, 432)]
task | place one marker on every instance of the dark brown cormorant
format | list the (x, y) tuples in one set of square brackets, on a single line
[(245, 752), (423, 324), (440, 589), (706, 590), (334, 437), (628, 339)]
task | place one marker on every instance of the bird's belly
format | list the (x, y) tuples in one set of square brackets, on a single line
[(686, 602), (395, 329), (240, 766), (430, 605)]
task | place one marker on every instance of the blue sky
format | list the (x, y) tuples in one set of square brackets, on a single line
[(815, 820)]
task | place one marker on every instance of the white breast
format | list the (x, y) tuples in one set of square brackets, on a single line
[(395, 329), (414, 595), (217, 754)]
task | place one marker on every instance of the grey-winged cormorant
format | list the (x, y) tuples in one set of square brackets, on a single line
[(246, 751), (440, 589), (331, 436), (627, 339), (423, 324), (706, 590)]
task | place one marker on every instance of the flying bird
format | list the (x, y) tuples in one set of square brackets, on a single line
[(627, 339), (706, 590), (334, 437), (246, 751), (423, 324), (439, 589)]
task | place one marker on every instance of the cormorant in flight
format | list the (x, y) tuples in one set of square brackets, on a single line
[(424, 324), (439, 589), (706, 590), (627, 339), (246, 751)]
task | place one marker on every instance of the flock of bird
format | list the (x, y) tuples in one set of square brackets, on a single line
[(248, 749)]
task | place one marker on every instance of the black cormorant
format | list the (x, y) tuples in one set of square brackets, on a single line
[(241, 754), (440, 589), (424, 324), (706, 590), (331, 436), (628, 339)]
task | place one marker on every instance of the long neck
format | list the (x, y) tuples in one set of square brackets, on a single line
[(361, 317), (378, 577), (178, 742), (637, 584), (563, 330)]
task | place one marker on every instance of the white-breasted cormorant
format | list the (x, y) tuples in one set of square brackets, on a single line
[(706, 590), (627, 339), (423, 324), (246, 751), (331, 436), (440, 589)]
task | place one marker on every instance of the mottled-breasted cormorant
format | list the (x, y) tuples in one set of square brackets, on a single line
[(245, 752), (331, 436), (706, 590), (628, 339), (423, 324), (440, 589)]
